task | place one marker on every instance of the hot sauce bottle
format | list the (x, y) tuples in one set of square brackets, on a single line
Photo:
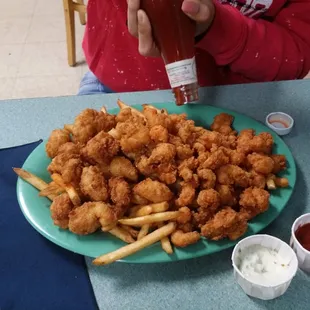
[(174, 34)]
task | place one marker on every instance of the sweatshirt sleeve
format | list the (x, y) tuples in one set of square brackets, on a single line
[(261, 50)]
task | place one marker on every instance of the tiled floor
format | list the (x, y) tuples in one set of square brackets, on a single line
[(33, 55)]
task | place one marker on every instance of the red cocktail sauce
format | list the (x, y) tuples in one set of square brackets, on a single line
[(303, 235)]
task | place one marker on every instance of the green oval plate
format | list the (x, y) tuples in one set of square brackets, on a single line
[(36, 209)]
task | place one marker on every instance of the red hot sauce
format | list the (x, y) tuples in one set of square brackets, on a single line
[(303, 235), (174, 34)]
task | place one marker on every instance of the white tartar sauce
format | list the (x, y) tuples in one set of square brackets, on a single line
[(262, 265)]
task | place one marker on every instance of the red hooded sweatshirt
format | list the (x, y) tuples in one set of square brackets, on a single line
[(249, 41)]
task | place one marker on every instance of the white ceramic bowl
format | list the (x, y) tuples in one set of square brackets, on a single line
[(303, 255), (261, 291)]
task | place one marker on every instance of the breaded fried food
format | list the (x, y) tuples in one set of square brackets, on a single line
[(226, 223), (58, 163), (184, 151), (149, 168), (60, 210), (70, 148), (186, 131), (187, 168), (261, 163), (227, 195), (244, 140), (279, 163), (232, 175), (209, 199), (236, 157), (121, 166), (185, 215), (186, 196), (135, 135), (210, 138), (90, 216), (254, 201), (207, 178), (257, 179), (181, 239), (222, 123), (93, 184), (153, 190), (155, 117), (262, 143), (100, 149), (165, 171), (215, 160), (160, 164), (159, 134), (162, 153), (90, 122), (71, 172), (57, 138), (120, 191)]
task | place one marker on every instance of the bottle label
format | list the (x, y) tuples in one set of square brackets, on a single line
[(182, 72)]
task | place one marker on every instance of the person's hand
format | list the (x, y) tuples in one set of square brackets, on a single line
[(201, 11)]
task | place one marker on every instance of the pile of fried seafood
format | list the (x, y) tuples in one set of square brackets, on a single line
[(152, 176)]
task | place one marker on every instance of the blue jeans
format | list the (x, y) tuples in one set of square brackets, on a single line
[(90, 85)]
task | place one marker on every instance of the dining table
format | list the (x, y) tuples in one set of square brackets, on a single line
[(37, 274)]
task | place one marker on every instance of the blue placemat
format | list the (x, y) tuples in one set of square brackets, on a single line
[(34, 273)]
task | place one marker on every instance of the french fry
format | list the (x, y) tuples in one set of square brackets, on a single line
[(138, 245), (122, 106), (57, 178), (149, 219), (134, 210), (281, 182), (73, 195), (146, 210), (156, 208), (143, 231), (134, 233), (114, 133), (51, 189), (108, 227), (151, 107), (33, 180), (69, 128), (271, 183), (165, 243), (138, 200), (104, 110), (160, 207), (121, 234), (162, 111)]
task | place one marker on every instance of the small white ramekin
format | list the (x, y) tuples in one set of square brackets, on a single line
[(303, 255), (277, 120), (257, 290)]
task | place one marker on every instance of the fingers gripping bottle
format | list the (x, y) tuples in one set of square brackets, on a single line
[(174, 34)]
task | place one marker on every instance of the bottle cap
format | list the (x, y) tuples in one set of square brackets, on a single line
[(280, 122)]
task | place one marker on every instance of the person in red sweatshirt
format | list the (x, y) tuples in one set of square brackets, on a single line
[(239, 41)]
